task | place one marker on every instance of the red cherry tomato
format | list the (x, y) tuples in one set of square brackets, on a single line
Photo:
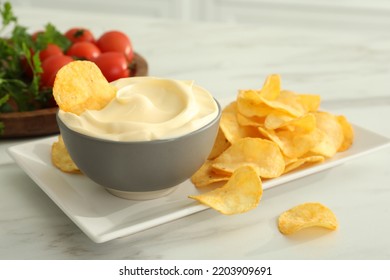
[(50, 67), (35, 35), (113, 65), (116, 41), (50, 50), (79, 34), (84, 50)]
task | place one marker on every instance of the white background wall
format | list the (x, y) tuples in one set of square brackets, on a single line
[(242, 11)]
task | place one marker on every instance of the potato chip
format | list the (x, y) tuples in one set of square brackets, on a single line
[(250, 104), (348, 133), (288, 102), (205, 176), (232, 130), (288, 160), (332, 134), (240, 194), (276, 120), (61, 158), (306, 124), (293, 144), (310, 102), (80, 85), (271, 87), (249, 121), (263, 155), (312, 214), (298, 162), (220, 145)]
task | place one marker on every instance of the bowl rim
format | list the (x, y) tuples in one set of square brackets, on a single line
[(148, 142)]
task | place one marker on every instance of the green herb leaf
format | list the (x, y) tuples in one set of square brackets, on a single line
[(51, 36), (4, 99), (7, 14), (21, 37), (1, 128), (18, 53)]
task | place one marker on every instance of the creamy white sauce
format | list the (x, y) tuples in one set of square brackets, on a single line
[(147, 108)]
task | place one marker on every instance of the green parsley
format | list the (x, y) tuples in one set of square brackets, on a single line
[(19, 91)]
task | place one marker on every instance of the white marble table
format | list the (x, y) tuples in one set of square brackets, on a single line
[(349, 67)]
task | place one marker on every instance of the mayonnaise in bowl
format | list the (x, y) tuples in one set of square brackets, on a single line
[(145, 109)]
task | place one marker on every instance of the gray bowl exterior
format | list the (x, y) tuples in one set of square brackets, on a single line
[(140, 166)]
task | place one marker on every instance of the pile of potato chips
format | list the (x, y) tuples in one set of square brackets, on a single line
[(272, 131)]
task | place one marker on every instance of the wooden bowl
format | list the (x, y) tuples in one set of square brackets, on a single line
[(43, 122)]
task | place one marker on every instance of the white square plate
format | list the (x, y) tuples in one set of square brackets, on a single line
[(104, 217)]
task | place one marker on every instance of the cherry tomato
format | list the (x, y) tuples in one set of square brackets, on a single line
[(116, 41), (50, 50), (79, 34), (50, 67), (113, 65), (35, 35), (84, 50)]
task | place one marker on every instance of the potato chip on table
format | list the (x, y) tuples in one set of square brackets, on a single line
[(312, 214)]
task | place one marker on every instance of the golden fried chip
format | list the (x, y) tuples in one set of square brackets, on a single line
[(205, 176), (61, 158), (332, 134), (263, 155), (306, 124), (249, 121), (276, 120), (271, 87), (298, 162), (220, 145), (288, 102), (312, 214), (250, 104), (293, 144), (348, 133), (310, 102), (240, 194), (288, 160), (80, 85), (232, 130)]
